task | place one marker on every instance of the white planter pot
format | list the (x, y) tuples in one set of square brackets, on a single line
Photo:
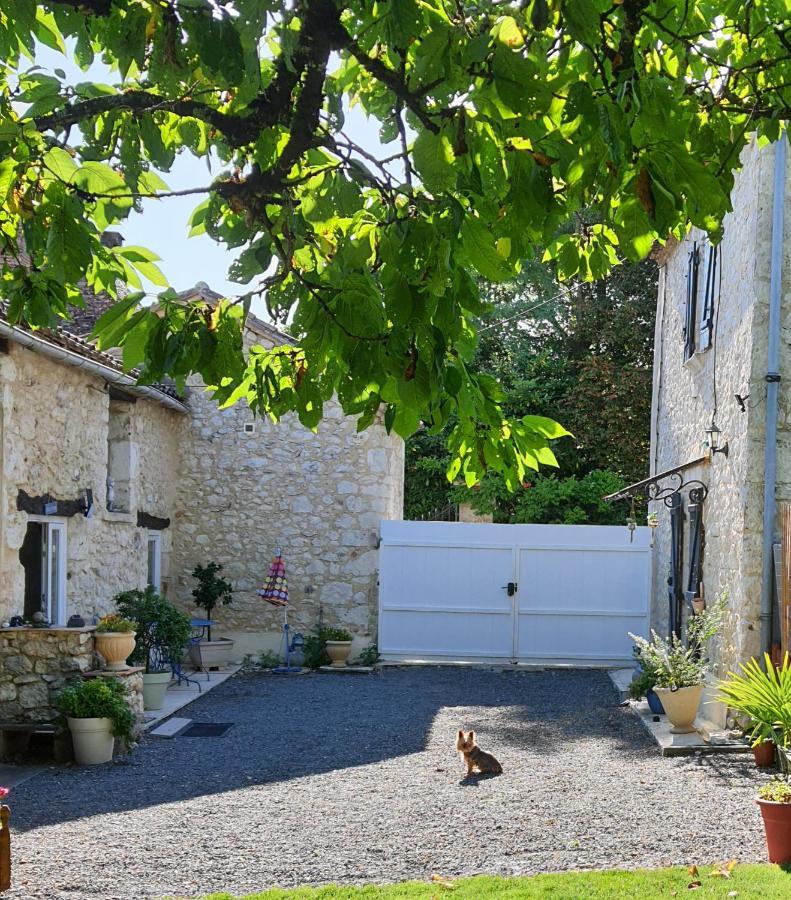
[(681, 706), (212, 654), (155, 685), (115, 646), (93, 740)]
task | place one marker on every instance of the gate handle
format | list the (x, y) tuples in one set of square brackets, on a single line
[(510, 587)]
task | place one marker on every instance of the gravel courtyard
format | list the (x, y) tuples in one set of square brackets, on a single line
[(353, 779)]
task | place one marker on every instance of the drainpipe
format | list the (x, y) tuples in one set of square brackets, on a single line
[(772, 390), (60, 354)]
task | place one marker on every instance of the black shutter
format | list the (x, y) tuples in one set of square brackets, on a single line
[(691, 316), (709, 296)]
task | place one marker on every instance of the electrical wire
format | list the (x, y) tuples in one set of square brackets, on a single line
[(523, 313)]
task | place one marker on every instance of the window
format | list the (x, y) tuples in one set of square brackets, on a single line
[(43, 557), (155, 560), (702, 291)]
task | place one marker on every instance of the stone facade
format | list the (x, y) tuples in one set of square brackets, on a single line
[(318, 496), (55, 429), (213, 491), (688, 394), (35, 663)]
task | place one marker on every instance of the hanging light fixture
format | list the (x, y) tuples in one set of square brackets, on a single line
[(713, 437)]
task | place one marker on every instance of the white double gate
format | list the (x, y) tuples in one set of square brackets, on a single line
[(562, 594)]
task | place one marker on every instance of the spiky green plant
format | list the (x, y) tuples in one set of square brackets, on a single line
[(763, 693)]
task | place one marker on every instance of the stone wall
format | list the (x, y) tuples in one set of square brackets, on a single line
[(320, 497), (54, 421), (35, 663), (686, 398)]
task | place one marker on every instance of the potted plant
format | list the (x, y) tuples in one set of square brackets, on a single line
[(338, 643), (763, 696), (774, 800), (212, 591), (163, 634), (115, 640), (681, 669), (643, 686), (96, 712)]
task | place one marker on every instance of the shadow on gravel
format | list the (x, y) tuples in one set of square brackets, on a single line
[(288, 728)]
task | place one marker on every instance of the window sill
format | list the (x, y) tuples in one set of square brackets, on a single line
[(697, 362), (117, 516)]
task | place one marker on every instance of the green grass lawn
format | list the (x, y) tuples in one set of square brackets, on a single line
[(766, 882)]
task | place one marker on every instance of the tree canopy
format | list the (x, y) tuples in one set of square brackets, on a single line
[(500, 121), (580, 351)]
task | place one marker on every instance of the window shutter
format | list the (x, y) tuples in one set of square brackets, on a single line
[(707, 312), (690, 317)]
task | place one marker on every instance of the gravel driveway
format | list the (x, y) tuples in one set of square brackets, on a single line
[(353, 779)]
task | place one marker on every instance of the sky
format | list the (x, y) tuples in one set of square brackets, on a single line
[(162, 225)]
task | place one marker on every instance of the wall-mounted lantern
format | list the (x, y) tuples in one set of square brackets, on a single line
[(713, 438)]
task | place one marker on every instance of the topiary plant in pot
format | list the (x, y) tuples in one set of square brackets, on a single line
[(163, 635), (114, 639), (96, 711), (211, 591)]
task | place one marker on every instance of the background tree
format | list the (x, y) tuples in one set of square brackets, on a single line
[(500, 121), (583, 352)]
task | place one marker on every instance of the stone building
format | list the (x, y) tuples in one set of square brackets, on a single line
[(720, 310), (106, 485)]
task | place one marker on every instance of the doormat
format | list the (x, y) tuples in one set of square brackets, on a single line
[(206, 729)]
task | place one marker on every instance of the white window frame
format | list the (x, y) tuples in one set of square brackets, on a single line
[(155, 538), (56, 615)]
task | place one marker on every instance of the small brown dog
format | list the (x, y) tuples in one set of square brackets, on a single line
[(474, 757)]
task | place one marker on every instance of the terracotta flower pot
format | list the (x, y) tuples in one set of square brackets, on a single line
[(115, 647), (777, 824), (681, 706), (764, 754), (338, 652)]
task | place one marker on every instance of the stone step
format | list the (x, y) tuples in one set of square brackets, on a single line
[(171, 727)]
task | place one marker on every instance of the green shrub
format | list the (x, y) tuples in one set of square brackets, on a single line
[(268, 660), (778, 791), (369, 656), (115, 624), (763, 694), (98, 698), (163, 630), (315, 645)]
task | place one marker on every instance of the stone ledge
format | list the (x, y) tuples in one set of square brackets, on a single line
[(120, 673), (705, 740), (51, 629), (347, 670)]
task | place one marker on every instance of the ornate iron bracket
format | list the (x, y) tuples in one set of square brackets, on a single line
[(665, 485)]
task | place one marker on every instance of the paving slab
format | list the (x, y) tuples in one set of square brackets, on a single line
[(171, 727), (705, 739), (178, 696), (347, 670)]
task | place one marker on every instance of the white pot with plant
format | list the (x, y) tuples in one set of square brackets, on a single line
[(212, 591), (114, 639), (680, 669), (97, 712), (163, 633)]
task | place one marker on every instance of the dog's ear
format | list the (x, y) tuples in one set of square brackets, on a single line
[(461, 734), (472, 737)]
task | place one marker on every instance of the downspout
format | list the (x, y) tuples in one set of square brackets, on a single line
[(772, 391), (62, 355)]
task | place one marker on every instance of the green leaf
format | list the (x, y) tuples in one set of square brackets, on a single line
[(433, 158), (479, 246)]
